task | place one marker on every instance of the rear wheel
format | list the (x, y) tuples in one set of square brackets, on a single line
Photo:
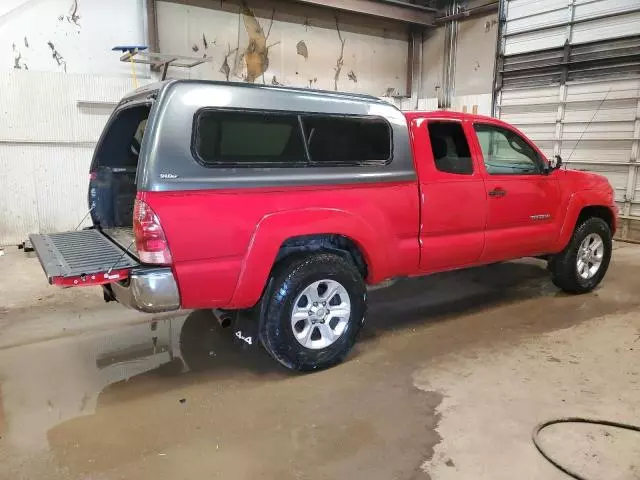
[(314, 308), (581, 266)]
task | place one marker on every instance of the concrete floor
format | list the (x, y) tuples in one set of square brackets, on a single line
[(450, 376)]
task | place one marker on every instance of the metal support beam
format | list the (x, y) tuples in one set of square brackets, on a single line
[(388, 9), (414, 66), (449, 64), (472, 12), (152, 29)]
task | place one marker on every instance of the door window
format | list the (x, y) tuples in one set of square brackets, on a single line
[(450, 148), (505, 152)]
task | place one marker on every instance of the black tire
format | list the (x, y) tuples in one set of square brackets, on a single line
[(563, 267), (288, 282)]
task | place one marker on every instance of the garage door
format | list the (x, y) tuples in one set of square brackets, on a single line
[(568, 75)]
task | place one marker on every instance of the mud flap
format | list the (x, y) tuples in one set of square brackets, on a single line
[(245, 328)]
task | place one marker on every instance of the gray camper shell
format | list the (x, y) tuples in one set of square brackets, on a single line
[(167, 158)]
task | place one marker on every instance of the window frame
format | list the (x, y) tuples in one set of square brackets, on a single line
[(474, 167), (540, 159), (364, 163), (306, 161), (234, 164)]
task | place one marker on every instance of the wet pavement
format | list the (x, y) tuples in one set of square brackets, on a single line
[(93, 391)]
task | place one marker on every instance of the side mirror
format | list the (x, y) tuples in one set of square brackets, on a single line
[(554, 164), (558, 162)]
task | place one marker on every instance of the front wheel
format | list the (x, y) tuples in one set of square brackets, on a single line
[(581, 266), (313, 310)]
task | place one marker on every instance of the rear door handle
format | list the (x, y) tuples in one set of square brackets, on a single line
[(497, 192)]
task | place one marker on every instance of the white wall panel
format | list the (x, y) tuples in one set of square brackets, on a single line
[(476, 55), (43, 106), (586, 9), (539, 25), (46, 189), (46, 145), (605, 28), (540, 40), (527, 8), (433, 63)]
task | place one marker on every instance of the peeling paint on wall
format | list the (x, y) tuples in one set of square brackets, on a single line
[(301, 49), (256, 56), (224, 68), (18, 63), (73, 13), (73, 16), (57, 57)]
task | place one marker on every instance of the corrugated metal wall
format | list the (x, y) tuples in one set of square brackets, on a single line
[(569, 77)]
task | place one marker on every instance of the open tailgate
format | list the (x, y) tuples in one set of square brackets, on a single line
[(81, 258)]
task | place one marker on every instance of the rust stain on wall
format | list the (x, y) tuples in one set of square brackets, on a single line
[(256, 55)]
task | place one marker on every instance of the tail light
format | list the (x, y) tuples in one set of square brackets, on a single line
[(151, 242)]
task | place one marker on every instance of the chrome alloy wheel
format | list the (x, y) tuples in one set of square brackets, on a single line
[(320, 314), (590, 255)]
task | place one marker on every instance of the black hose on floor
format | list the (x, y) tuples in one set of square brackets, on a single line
[(543, 425)]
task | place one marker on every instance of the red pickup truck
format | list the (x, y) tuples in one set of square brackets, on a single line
[(290, 202)]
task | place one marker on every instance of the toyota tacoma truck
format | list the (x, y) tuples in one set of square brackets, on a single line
[(291, 202)]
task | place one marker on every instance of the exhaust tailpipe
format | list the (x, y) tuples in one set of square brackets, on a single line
[(224, 318)]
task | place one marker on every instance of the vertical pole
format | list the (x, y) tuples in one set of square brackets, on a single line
[(449, 64), (496, 101), (632, 176), (133, 70)]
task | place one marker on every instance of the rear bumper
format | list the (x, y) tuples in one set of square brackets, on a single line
[(150, 290)]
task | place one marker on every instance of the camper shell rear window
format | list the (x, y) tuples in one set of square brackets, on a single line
[(255, 138)]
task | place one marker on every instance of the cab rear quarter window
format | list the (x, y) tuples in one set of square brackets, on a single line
[(242, 138)]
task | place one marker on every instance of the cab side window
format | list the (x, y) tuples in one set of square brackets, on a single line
[(450, 148), (506, 153)]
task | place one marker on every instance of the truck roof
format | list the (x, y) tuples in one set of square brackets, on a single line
[(216, 83), (447, 114)]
